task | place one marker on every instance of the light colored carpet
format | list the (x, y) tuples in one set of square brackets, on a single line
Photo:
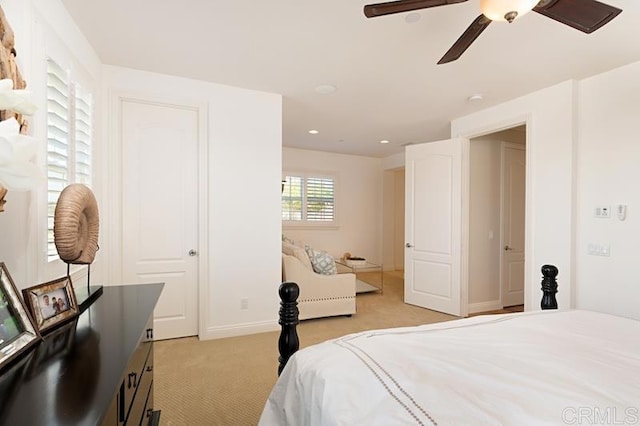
[(227, 381)]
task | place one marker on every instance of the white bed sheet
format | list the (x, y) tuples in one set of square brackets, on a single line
[(548, 367)]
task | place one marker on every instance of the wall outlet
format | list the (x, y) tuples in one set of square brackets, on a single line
[(599, 249), (244, 304)]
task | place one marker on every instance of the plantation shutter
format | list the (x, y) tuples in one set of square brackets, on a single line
[(320, 199), (83, 137), (58, 144)]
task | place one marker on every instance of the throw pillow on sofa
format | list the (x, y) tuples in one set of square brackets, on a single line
[(297, 252), (321, 261)]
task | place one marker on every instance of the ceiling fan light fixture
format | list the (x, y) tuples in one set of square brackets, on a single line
[(506, 10)]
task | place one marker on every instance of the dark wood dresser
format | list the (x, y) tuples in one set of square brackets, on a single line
[(94, 370)]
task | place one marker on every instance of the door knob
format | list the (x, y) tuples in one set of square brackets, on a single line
[(507, 248), (409, 245), (192, 252)]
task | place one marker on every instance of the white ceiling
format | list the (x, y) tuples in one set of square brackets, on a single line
[(389, 86)]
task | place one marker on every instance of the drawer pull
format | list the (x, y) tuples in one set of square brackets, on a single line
[(149, 368), (135, 378), (149, 333)]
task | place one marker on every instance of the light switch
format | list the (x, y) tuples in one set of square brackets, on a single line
[(602, 212)]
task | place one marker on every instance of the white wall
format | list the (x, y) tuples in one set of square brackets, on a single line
[(398, 219), (551, 131), (484, 223), (42, 28), (388, 219), (244, 158), (607, 174), (393, 220), (244, 173), (359, 202)]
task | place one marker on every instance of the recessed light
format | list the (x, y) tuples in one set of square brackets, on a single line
[(384, 141), (476, 97), (314, 132), (325, 89), (412, 18)]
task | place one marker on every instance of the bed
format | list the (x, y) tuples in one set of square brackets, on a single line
[(542, 367)]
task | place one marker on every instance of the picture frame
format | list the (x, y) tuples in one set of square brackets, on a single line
[(51, 303), (17, 329)]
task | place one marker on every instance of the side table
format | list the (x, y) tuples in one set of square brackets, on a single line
[(360, 268)]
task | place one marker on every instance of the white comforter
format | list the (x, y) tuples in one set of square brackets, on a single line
[(551, 367)]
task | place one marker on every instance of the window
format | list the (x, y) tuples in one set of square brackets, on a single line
[(309, 200), (69, 139)]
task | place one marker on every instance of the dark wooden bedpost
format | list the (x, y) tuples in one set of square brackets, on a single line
[(288, 343), (549, 287)]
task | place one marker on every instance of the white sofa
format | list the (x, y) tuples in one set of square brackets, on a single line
[(320, 295)]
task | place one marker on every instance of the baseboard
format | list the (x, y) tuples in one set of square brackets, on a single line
[(485, 306), (239, 330)]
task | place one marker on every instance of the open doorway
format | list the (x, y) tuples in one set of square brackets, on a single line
[(496, 220), (393, 222), (485, 229)]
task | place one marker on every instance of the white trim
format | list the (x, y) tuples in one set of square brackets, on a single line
[(244, 329), (203, 217), (493, 127), (288, 224), (492, 305), (465, 214)]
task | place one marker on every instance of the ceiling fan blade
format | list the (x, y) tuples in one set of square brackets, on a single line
[(584, 15), (465, 40), (387, 8)]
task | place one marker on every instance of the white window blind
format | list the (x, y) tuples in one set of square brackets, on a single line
[(69, 139), (320, 200), (84, 114), (58, 114), (308, 199)]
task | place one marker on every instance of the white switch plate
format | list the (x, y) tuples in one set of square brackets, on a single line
[(602, 212), (599, 249)]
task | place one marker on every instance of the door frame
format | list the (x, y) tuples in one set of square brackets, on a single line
[(111, 176), (508, 123)]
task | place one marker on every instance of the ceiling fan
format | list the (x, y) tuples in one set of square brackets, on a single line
[(584, 15)]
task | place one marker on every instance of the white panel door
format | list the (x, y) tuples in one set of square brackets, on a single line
[(513, 214), (433, 225), (160, 209)]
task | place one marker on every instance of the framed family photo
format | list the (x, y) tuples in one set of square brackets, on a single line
[(17, 330), (51, 303)]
